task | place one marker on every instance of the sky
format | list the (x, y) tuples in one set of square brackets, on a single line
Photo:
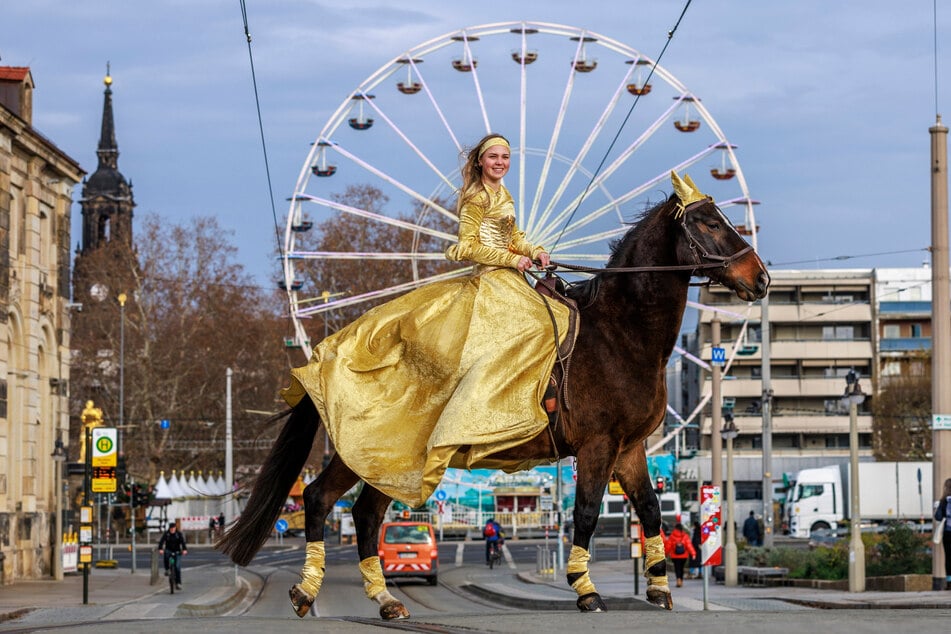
[(828, 104)]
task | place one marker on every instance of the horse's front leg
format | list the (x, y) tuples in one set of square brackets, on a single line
[(594, 470), (319, 498), (368, 512), (631, 471)]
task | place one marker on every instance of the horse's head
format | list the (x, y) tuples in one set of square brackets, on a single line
[(712, 243)]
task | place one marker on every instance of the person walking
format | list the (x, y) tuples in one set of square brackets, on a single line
[(942, 511), (751, 531), (212, 523), (173, 542), (695, 539), (679, 548), (221, 523)]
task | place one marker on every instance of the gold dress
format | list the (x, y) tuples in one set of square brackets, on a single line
[(445, 375)]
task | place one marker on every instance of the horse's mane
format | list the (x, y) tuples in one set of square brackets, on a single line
[(585, 292)]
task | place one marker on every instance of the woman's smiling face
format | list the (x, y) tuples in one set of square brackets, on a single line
[(495, 163)]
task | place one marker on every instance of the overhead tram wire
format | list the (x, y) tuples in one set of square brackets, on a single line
[(587, 188), (257, 104)]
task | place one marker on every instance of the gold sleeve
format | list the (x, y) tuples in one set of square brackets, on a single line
[(522, 246), (470, 247)]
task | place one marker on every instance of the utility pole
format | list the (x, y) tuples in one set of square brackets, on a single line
[(229, 457), (941, 331), (767, 427)]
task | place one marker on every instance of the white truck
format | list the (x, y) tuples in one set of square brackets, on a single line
[(887, 491)]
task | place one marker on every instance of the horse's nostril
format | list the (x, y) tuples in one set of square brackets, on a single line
[(763, 281)]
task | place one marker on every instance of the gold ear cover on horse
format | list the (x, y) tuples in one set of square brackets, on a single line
[(686, 191)]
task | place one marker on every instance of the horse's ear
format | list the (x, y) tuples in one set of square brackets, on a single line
[(685, 189)]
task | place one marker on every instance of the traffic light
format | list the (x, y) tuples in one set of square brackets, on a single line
[(659, 487), (140, 496)]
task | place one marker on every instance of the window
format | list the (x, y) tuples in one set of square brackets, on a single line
[(834, 407), (916, 330), (892, 331), (838, 332), (804, 491)]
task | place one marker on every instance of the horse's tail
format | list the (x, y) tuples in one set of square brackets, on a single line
[(283, 465)]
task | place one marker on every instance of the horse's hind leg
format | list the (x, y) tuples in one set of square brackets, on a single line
[(368, 512), (632, 473), (319, 498), (594, 470)]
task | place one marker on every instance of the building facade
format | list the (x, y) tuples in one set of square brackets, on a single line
[(36, 186), (823, 324)]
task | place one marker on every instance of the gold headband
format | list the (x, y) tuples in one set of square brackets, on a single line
[(495, 140)]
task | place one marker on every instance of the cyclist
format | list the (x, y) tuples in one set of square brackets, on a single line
[(173, 542), (492, 532)]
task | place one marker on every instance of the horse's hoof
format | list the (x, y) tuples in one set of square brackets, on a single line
[(591, 602), (300, 601), (660, 596), (393, 610)]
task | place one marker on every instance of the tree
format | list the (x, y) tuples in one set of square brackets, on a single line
[(192, 313), (901, 428)]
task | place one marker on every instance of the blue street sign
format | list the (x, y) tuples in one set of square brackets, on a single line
[(718, 356), (441, 495), (281, 526), (166, 423)]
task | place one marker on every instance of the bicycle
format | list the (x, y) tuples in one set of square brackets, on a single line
[(495, 554), (172, 563)]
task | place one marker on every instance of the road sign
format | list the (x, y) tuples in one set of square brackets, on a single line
[(940, 422), (281, 526), (441, 496), (545, 502), (718, 356), (105, 450)]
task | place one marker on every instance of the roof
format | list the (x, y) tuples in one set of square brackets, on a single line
[(14, 73)]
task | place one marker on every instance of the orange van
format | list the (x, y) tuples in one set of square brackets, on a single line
[(408, 549)]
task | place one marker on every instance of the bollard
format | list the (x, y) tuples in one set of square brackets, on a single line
[(153, 562)]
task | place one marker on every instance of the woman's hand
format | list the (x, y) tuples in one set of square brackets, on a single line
[(524, 263), (544, 259)]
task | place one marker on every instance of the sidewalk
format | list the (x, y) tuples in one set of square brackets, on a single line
[(115, 594), (615, 582)]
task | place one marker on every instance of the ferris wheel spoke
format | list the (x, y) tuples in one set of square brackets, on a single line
[(475, 81), (593, 135), (436, 107), (424, 200), (371, 215), (379, 294), (364, 255), (555, 134)]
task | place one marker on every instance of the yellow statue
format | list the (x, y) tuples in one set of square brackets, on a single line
[(91, 417)]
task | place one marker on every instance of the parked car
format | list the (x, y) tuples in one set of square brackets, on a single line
[(409, 549)]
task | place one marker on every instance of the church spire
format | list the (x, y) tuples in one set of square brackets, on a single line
[(108, 151)]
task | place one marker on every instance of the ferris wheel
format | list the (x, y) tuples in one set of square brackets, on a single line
[(374, 200)]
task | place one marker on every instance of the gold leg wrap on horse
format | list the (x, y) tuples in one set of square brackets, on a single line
[(654, 554), (373, 582), (578, 563), (312, 575)]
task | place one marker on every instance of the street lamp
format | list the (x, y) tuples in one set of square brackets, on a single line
[(853, 397), (59, 457), (728, 433)]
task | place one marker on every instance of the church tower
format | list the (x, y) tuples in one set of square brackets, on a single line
[(107, 196), (105, 260)]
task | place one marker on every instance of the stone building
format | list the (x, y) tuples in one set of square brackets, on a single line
[(36, 186)]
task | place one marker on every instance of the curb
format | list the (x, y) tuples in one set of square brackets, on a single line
[(216, 608), (530, 603)]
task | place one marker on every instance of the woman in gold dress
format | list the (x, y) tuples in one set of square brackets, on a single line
[(452, 372)]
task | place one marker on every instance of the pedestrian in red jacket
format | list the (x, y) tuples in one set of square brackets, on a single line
[(679, 548)]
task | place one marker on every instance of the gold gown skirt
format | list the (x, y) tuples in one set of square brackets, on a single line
[(443, 376)]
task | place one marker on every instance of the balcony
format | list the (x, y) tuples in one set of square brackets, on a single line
[(900, 309), (904, 344), (796, 424)]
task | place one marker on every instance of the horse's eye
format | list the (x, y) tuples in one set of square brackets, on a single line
[(713, 226)]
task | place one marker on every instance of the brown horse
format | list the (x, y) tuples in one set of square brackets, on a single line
[(615, 395)]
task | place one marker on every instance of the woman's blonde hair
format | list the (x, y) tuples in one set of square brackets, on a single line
[(472, 184)]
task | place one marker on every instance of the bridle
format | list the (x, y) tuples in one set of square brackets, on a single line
[(705, 260)]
